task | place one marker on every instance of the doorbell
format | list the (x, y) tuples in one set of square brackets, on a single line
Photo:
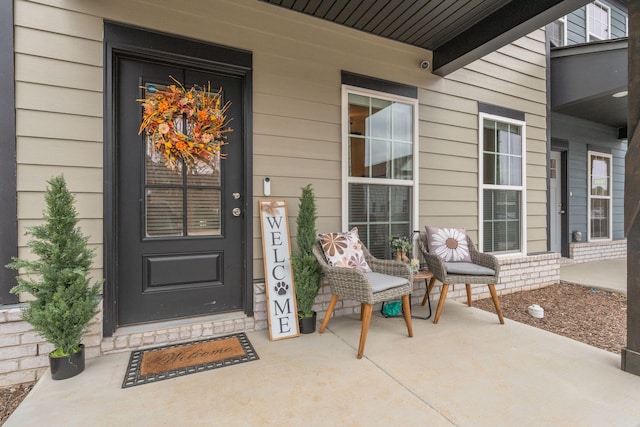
[(267, 186)]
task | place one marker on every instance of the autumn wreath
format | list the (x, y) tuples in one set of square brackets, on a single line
[(185, 126)]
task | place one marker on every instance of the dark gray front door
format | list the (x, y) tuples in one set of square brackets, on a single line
[(180, 245)]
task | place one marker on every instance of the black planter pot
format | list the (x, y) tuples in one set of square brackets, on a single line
[(307, 324), (67, 366)]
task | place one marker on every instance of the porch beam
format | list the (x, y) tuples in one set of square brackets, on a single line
[(631, 353), (516, 19)]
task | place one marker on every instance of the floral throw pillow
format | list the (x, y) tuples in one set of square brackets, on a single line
[(344, 250), (450, 244)]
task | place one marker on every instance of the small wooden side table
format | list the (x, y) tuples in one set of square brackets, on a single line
[(427, 276)]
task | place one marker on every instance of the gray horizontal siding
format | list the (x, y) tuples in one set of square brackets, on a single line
[(619, 151), (577, 24), (297, 104), (618, 23), (580, 134)]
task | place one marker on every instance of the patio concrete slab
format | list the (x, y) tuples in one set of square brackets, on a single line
[(609, 275), (312, 380), (466, 371)]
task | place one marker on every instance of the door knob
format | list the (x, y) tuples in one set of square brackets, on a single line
[(236, 211)]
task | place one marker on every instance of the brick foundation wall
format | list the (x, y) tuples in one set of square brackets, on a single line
[(128, 339), (597, 251), (516, 274), (24, 354)]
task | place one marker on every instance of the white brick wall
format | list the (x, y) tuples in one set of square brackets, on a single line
[(128, 339), (24, 353), (597, 251), (516, 274)]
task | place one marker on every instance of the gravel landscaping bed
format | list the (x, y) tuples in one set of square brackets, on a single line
[(11, 397), (591, 316)]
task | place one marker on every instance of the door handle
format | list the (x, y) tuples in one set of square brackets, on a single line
[(561, 212), (236, 211)]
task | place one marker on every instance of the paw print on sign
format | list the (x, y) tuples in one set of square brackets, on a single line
[(281, 288)]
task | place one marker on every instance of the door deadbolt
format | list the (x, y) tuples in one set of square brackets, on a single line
[(236, 211), (236, 196)]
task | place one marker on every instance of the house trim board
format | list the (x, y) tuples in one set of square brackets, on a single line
[(8, 167)]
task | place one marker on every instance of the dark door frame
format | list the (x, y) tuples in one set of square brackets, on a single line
[(8, 208), (123, 41)]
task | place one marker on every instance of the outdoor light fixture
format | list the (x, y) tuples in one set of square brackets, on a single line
[(620, 94)]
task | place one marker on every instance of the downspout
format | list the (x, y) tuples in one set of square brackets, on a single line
[(547, 54)]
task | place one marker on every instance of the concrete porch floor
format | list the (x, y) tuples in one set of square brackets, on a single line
[(466, 371)]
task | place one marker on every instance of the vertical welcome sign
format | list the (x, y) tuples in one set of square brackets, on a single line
[(278, 278)]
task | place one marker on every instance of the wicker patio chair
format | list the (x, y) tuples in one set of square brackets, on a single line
[(389, 280), (483, 269)]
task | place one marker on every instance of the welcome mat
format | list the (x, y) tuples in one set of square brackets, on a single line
[(170, 361)]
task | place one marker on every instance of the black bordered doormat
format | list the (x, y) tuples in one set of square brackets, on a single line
[(170, 361)]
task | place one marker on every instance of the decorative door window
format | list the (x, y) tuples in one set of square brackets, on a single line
[(178, 203)]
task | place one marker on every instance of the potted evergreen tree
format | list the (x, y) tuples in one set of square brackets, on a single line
[(63, 301), (306, 271)]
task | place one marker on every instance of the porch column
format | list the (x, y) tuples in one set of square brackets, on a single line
[(631, 353)]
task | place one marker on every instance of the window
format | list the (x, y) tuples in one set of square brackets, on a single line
[(502, 182), (177, 203), (379, 163), (599, 196), (598, 22), (558, 32)]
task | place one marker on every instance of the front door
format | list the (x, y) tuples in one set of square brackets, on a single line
[(179, 235), (555, 202)]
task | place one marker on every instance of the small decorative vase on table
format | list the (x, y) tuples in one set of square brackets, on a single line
[(400, 245), (402, 256)]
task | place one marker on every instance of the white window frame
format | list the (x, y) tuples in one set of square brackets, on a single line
[(590, 196), (482, 186), (563, 19), (346, 179), (592, 36)]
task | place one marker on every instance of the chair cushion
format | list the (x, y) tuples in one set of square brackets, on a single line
[(381, 282), (450, 244), (344, 250), (468, 268)]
